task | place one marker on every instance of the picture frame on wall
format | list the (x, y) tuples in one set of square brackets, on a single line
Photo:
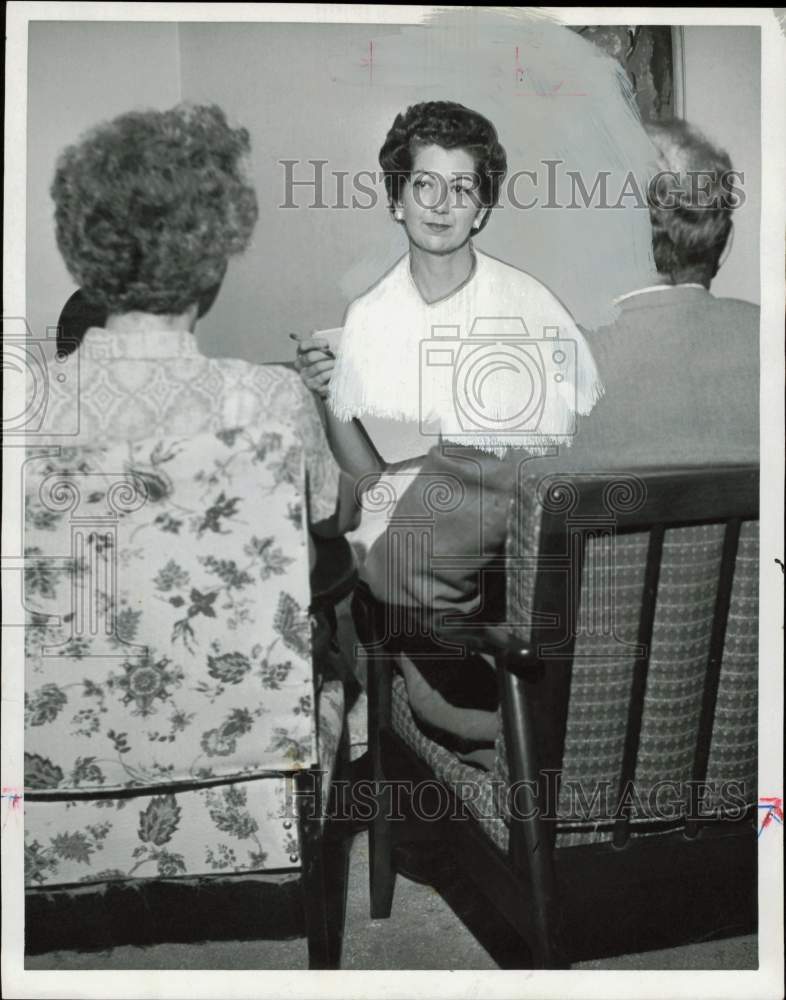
[(652, 57)]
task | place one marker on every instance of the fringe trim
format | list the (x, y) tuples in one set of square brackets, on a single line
[(497, 444)]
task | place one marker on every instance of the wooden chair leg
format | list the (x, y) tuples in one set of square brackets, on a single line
[(323, 878), (530, 849), (382, 875)]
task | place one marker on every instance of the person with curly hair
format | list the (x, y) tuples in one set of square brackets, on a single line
[(443, 166), (186, 502), (149, 209), (104, 229)]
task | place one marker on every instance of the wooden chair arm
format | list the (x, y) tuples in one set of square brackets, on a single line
[(508, 650)]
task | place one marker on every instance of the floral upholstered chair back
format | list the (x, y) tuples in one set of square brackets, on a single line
[(168, 653)]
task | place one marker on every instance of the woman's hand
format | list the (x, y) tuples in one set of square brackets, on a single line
[(350, 444), (314, 363)]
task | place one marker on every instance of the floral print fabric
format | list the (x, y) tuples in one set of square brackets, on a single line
[(229, 828), (168, 638)]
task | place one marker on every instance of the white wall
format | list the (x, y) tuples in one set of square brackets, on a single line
[(79, 74), (275, 79), (723, 98), (304, 92)]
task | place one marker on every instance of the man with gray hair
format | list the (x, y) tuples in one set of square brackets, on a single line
[(680, 366)]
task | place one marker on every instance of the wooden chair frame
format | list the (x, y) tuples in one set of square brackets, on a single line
[(694, 881)]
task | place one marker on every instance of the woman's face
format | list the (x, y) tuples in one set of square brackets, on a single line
[(439, 203)]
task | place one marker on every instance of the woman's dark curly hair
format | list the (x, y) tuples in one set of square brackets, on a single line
[(690, 200), (451, 126), (150, 206)]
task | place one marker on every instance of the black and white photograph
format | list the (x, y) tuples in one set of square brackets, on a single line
[(393, 449)]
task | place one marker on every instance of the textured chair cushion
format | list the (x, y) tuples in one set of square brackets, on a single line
[(482, 792), (600, 689), (604, 657)]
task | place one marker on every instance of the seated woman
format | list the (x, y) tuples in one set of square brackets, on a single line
[(149, 208), (657, 412), (170, 641), (444, 165)]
